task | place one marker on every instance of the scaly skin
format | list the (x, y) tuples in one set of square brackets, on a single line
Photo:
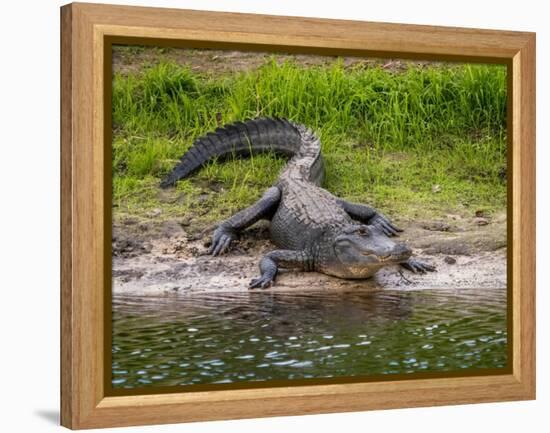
[(313, 229)]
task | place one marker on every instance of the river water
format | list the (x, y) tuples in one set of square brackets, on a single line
[(259, 336)]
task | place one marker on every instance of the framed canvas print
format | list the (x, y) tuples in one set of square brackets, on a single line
[(265, 215)]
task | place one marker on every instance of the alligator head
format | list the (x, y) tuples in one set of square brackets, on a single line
[(361, 250)]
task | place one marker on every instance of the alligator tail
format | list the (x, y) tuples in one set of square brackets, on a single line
[(241, 139)]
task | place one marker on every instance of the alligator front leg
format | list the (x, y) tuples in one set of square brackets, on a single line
[(227, 231), (418, 266), (370, 216), (288, 259)]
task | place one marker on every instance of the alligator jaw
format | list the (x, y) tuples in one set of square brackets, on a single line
[(380, 258)]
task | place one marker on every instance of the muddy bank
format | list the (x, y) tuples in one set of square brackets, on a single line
[(134, 59), (168, 258)]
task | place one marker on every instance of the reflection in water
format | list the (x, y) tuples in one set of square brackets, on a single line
[(256, 336)]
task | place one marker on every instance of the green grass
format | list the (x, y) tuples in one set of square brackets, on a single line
[(388, 137)]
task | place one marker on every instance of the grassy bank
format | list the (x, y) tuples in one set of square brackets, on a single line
[(425, 141)]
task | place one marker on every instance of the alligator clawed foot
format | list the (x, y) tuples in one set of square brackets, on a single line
[(418, 266), (221, 240), (386, 225), (260, 282)]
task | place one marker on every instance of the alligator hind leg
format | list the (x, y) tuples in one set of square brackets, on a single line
[(370, 216), (271, 262), (227, 231)]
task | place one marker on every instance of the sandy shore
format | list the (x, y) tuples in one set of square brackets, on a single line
[(165, 259)]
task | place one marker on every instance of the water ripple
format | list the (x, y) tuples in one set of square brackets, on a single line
[(226, 338)]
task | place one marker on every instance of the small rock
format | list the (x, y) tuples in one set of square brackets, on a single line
[(450, 260), (436, 226), (436, 188), (480, 213), (154, 213), (202, 198), (480, 221)]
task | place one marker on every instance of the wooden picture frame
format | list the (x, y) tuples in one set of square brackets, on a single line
[(87, 33)]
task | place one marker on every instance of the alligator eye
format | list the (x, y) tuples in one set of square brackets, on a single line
[(363, 231)]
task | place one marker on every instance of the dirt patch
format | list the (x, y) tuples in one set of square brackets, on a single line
[(166, 258), (217, 62)]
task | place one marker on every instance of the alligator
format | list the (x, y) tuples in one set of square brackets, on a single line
[(313, 229)]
